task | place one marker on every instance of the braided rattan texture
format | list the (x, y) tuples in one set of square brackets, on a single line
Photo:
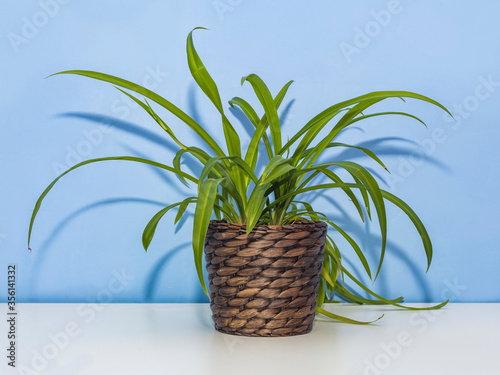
[(264, 283)]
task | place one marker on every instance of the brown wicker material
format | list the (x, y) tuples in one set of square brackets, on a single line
[(264, 283)]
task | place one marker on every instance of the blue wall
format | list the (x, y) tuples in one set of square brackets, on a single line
[(87, 239)]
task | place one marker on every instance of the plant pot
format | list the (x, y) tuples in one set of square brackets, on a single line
[(264, 283)]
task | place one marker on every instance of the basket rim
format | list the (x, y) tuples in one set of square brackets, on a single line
[(297, 224)]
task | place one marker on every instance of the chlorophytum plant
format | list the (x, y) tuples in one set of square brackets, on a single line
[(231, 187)]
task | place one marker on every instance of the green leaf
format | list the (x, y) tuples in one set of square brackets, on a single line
[(309, 137), (321, 294), (260, 132), (255, 121), (416, 222), (227, 208), (375, 193), (281, 95), (342, 124), (201, 155), (365, 197), (212, 167), (389, 302), (387, 113), (266, 99), (208, 86), (332, 176), (149, 231), (293, 215), (274, 163), (256, 205), (245, 168), (354, 245), (182, 208), (278, 172), (247, 109), (343, 318), (325, 272), (202, 214), (200, 73), (351, 297), (210, 164)]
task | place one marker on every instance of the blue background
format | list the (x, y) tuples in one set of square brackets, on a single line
[(90, 226)]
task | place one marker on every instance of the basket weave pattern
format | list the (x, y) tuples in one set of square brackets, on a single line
[(264, 283)]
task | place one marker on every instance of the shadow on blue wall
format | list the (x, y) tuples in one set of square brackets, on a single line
[(140, 132), (46, 246), (151, 285), (122, 125)]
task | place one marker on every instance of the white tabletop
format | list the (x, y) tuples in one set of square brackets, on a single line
[(179, 339)]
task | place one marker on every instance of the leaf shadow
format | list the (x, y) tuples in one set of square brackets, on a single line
[(162, 174), (380, 148), (151, 283), (46, 245), (138, 131), (122, 125)]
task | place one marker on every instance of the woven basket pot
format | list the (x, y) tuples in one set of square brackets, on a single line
[(264, 283)]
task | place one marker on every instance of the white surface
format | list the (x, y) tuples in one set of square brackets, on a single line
[(179, 339)]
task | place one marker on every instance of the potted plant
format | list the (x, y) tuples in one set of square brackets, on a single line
[(271, 264)]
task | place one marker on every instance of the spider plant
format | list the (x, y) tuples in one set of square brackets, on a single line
[(231, 186)]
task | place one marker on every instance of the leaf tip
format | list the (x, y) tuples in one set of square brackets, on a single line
[(50, 75), (197, 28), (380, 317)]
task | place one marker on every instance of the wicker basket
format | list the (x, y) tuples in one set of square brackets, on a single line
[(264, 283)]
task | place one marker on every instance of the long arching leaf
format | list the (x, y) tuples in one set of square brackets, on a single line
[(344, 319), (126, 158), (208, 86), (416, 222), (387, 301)]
